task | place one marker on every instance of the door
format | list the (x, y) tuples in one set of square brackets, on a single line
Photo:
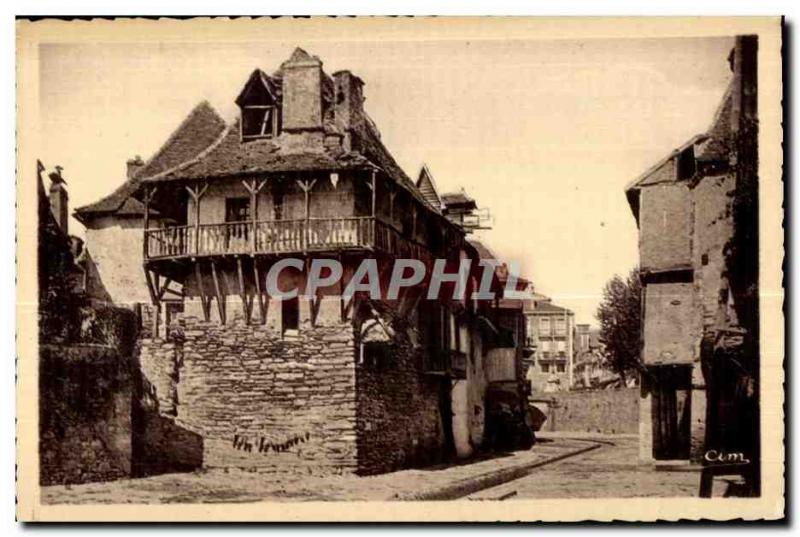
[(671, 412)]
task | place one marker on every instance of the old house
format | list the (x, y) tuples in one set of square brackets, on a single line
[(118, 218), (697, 216), (509, 357), (322, 381), (550, 328)]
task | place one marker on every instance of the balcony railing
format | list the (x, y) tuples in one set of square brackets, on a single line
[(280, 236)]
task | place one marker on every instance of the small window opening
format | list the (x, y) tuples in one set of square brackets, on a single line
[(237, 209), (259, 122)]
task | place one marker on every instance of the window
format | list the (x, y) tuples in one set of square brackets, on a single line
[(561, 368), (546, 346), (561, 326), (544, 326), (259, 121), (584, 341), (377, 354), (290, 314), (561, 346), (545, 368), (237, 209)]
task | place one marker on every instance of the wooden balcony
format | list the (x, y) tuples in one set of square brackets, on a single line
[(280, 237), (447, 363)]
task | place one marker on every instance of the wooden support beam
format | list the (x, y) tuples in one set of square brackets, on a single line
[(220, 296), (261, 305), (150, 288), (205, 302), (163, 288), (173, 292), (243, 291)]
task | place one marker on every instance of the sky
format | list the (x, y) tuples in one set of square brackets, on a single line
[(545, 134)]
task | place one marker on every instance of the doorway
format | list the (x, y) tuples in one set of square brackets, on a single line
[(671, 392)]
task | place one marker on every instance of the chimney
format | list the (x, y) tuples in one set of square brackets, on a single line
[(302, 92), (59, 199), (134, 165), (348, 103)]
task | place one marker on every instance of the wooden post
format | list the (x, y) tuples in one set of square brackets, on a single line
[(197, 193), (306, 187), (201, 288), (261, 306), (243, 291), (150, 287), (148, 197), (373, 187), (220, 297), (253, 187)]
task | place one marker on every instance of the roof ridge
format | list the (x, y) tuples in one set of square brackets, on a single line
[(204, 104)]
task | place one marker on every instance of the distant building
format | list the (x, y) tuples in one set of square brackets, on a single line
[(550, 332), (589, 369)]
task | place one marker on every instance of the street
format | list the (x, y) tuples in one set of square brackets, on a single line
[(611, 471), (560, 467)]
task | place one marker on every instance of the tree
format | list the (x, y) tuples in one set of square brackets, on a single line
[(620, 318)]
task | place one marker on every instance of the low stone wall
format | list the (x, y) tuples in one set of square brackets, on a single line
[(399, 420), (614, 411), (85, 400), (255, 399)]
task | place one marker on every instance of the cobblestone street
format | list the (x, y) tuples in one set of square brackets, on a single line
[(611, 471), (567, 470)]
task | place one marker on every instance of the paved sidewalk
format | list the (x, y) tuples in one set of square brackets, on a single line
[(235, 486)]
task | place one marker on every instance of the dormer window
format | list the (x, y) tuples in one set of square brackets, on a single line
[(259, 103), (259, 121)]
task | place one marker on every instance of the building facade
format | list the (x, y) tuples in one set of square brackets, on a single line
[(549, 330), (324, 382), (697, 214), (588, 369)]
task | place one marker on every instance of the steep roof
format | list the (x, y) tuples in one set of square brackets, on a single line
[(259, 80), (549, 307), (427, 187), (228, 156), (711, 146), (196, 132), (717, 146)]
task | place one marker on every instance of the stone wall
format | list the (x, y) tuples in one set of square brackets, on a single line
[(256, 399), (398, 407), (596, 411), (85, 398)]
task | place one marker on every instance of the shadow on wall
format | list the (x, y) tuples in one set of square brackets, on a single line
[(159, 445)]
